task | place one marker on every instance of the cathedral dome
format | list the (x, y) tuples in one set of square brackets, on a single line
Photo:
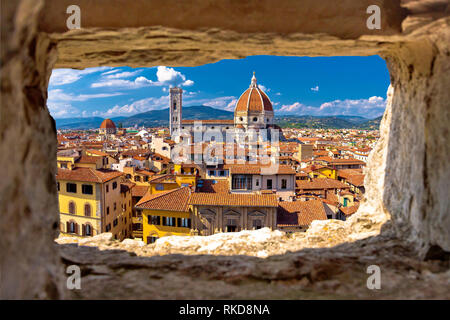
[(108, 124), (253, 100)]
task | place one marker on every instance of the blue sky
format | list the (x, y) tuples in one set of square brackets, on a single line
[(318, 86)]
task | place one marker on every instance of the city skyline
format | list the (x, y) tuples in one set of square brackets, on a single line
[(295, 85)]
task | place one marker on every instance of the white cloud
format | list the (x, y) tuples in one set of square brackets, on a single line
[(60, 95), (263, 88), (138, 106), (62, 110), (65, 76), (315, 89), (171, 77), (125, 74), (166, 77), (368, 108)]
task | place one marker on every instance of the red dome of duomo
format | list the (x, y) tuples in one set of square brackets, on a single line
[(107, 124), (253, 100)]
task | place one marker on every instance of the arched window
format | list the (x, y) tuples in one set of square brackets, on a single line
[(72, 209), (87, 210), (72, 227), (255, 119), (88, 230)]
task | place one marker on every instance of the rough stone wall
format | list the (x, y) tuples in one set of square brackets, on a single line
[(29, 263), (417, 187), (414, 146)]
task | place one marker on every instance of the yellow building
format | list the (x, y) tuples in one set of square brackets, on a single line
[(90, 201), (140, 177), (165, 214), (324, 172)]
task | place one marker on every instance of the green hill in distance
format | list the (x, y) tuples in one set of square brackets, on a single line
[(160, 118)]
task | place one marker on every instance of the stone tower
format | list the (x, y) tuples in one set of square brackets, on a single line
[(175, 95)]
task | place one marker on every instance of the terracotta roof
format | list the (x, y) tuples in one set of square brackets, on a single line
[(253, 99), (107, 124), (87, 175), (221, 186), (172, 200), (97, 152), (233, 200), (258, 169), (320, 183), (348, 211), (167, 178), (302, 213), (139, 191), (87, 159)]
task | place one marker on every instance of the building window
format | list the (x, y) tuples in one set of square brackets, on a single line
[(231, 225), (115, 206), (71, 187), (107, 188), (151, 239), (137, 178), (257, 224), (72, 227), (114, 185), (283, 183), (88, 230), (169, 221), (107, 210), (128, 176), (242, 182), (57, 185), (154, 220), (159, 187), (108, 227), (257, 182), (184, 222), (72, 209), (115, 222), (255, 119), (87, 210), (241, 119), (269, 183), (212, 172), (87, 189)]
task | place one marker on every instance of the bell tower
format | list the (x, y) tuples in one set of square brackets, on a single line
[(175, 95)]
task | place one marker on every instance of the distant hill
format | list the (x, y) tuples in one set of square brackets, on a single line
[(161, 117), (152, 118), (327, 122), (83, 123), (158, 118), (373, 124)]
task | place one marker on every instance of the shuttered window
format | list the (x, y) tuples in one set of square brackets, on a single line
[(154, 220), (72, 209), (71, 187), (87, 210), (87, 189), (169, 221)]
